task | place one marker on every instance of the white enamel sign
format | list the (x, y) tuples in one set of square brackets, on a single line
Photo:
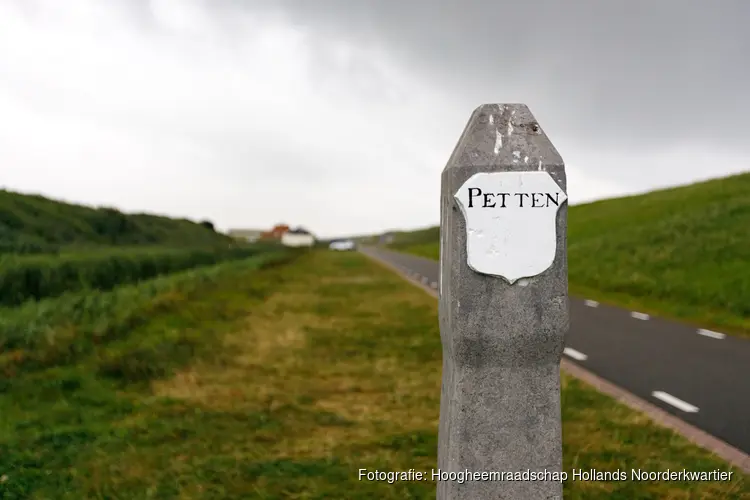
[(511, 222)]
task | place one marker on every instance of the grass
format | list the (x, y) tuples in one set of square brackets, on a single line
[(296, 377), (78, 398), (36, 224), (34, 277), (682, 253)]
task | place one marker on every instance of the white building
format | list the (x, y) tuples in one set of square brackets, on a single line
[(297, 238)]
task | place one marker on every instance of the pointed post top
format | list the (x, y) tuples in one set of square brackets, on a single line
[(505, 136)]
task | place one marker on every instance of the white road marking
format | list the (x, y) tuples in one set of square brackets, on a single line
[(638, 315), (677, 403), (575, 354), (591, 303), (709, 333), (433, 284)]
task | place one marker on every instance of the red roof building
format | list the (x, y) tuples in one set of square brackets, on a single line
[(276, 233)]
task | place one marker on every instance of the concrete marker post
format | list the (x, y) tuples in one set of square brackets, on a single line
[(503, 310)]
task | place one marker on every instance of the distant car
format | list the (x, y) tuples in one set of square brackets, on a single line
[(343, 245)]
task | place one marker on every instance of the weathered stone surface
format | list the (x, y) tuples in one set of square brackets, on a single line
[(502, 342)]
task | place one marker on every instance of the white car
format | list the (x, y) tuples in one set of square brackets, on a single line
[(343, 245)]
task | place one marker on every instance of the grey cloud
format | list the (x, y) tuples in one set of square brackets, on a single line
[(634, 94), (623, 74)]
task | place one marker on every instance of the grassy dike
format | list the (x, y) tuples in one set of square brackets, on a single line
[(299, 376), (680, 253), (36, 224)]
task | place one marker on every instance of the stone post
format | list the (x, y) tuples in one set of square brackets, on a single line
[(503, 310)]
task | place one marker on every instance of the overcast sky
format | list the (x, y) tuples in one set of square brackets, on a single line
[(340, 115)]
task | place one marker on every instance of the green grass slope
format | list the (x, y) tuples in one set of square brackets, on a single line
[(682, 252), (33, 223)]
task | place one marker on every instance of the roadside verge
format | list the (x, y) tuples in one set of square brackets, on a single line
[(721, 449)]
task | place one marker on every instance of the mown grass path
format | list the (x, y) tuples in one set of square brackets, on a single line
[(307, 373)]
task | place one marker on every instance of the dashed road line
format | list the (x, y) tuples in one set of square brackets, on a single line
[(575, 354), (709, 333), (675, 422), (676, 402)]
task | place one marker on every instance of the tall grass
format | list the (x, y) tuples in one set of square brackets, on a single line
[(35, 277), (60, 330)]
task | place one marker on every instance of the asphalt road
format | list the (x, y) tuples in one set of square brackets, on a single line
[(701, 377)]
